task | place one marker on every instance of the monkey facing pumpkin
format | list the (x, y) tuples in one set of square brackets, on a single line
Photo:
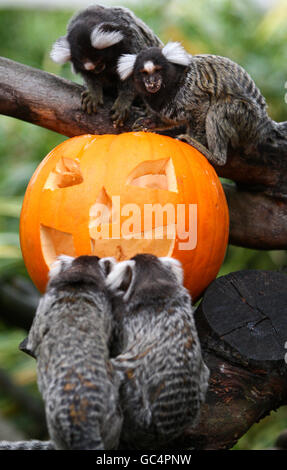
[(120, 195)]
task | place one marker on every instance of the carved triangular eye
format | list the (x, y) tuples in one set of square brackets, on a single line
[(66, 173), (155, 174), (54, 243)]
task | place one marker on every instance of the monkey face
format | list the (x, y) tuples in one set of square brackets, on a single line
[(152, 79), (155, 70), (96, 66), (91, 50), (149, 73), (89, 59), (84, 57)]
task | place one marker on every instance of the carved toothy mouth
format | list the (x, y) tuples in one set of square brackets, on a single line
[(145, 242)]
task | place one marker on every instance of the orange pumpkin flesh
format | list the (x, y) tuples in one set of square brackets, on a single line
[(124, 173)]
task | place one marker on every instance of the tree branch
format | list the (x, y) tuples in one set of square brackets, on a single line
[(49, 101), (241, 322), (54, 103), (257, 219)]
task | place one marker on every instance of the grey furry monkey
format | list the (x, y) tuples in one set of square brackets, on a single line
[(163, 377), (95, 39), (70, 338), (214, 98)]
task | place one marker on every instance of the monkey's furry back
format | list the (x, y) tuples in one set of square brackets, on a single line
[(70, 340), (164, 379), (137, 34)]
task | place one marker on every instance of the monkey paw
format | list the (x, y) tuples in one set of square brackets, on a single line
[(144, 124), (90, 101), (120, 112)]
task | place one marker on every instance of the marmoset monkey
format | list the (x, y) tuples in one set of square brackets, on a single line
[(70, 338), (213, 97), (163, 377), (95, 39)]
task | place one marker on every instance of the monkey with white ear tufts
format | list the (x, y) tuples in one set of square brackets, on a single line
[(212, 97), (163, 377), (70, 338), (95, 39)]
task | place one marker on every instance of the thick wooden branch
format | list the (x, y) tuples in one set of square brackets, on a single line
[(242, 326), (257, 219), (54, 103), (48, 101)]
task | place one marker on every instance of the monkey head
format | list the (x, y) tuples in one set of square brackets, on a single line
[(89, 49), (145, 278), (66, 273), (70, 338), (154, 69)]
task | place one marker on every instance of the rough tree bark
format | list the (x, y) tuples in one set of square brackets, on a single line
[(242, 326), (261, 178)]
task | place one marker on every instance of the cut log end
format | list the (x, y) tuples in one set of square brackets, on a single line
[(244, 315)]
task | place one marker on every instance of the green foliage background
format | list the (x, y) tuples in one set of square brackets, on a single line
[(240, 30)]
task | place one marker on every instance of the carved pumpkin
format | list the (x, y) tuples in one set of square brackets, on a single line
[(119, 195)]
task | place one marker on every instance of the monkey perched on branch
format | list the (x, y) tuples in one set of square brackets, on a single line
[(96, 37), (214, 98), (70, 338), (163, 377)]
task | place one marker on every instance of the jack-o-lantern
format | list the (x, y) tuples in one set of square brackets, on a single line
[(119, 195)]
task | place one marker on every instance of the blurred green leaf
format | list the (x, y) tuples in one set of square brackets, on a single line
[(10, 207)]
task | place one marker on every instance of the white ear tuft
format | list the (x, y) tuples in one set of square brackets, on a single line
[(125, 65), (61, 264), (175, 53), (101, 39), (175, 266), (120, 279), (61, 51)]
